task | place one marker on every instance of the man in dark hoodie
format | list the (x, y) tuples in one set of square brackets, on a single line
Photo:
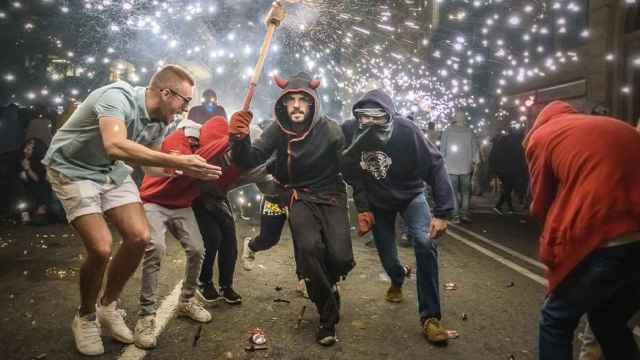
[(307, 148), (388, 161), (508, 163)]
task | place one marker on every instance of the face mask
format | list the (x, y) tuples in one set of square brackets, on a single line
[(369, 138), (211, 107), (378, 117)]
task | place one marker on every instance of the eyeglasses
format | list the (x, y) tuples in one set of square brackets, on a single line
[(186, 100)]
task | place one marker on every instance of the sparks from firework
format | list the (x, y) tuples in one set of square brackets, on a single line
[(319, 35)]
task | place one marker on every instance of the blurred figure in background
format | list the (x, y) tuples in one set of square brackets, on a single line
[(33, 175), (461, 153), (71, 106), (432, 134), (209, 108), (507, 162)]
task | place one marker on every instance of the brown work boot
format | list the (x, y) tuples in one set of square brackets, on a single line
[(434, 332), (394, 294)]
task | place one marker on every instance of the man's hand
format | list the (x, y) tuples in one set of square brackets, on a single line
[(26, 164), (239, 124), (438, 227), (197, 167), (365, 222)]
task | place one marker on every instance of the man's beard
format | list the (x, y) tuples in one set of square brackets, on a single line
[(306, 117)]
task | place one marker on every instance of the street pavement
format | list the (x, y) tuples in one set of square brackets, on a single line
[(494, 308)]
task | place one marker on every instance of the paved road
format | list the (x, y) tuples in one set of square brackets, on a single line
[(499, 292)]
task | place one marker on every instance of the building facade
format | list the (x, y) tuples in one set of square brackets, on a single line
[(608, 72)]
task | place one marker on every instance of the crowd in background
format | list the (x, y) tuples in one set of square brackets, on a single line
[(498, 167)]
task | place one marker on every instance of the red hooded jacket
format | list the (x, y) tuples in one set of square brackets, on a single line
[(179, 191), (585, 182)]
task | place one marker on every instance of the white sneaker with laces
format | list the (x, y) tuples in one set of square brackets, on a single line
[(112, 321), (248, 255), (86, 333), (145, 334), (193, 310)]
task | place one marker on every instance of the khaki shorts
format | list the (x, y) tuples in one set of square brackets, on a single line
[(83, 197)]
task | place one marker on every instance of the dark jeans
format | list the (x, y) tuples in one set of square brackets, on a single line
[(417, 217), (322, 241), (605, 286), (462, 189), (219, 235)]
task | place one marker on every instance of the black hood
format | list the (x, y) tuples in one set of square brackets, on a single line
[(379, 97), (301, 82), (374, 137)]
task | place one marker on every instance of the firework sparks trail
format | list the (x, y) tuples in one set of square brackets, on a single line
[(431, 66)]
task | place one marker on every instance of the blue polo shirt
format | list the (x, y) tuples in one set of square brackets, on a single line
[(77, 150)]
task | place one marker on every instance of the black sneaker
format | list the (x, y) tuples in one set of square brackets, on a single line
[(326, 335), (208, 295), (231, 297)]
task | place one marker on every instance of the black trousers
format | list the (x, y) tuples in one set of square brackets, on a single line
[(508, 185), (218, 230), (272, 219), (322, 242)]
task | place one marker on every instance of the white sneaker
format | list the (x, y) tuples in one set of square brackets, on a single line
[(248, 255), (112, 321), (145, 336), (86, 332), (301, 288), (194, 310)]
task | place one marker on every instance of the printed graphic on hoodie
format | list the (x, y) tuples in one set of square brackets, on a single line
[(376, 162)]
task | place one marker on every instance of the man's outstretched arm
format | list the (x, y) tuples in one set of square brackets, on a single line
[(118, 147)]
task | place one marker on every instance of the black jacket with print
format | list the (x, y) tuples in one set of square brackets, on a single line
[(391, 175)]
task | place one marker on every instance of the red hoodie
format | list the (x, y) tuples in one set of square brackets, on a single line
[(179, 191), (585, 182)]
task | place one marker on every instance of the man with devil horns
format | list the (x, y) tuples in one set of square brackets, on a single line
[(307, 148)]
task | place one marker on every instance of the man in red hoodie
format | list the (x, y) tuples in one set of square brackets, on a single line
[(167, 203), (584, 182)]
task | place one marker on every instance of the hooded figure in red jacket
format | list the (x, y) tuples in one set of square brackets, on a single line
[(167, 203), (585, 172)]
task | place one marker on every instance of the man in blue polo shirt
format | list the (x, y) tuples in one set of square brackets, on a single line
[(86, 167)]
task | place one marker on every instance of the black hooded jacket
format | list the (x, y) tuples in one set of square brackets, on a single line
[(507, 158), (389, 175), (307, 161)]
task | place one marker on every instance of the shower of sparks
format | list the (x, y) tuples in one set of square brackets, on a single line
[(463, 59)]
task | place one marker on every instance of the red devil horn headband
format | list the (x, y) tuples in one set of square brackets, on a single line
[(314, 83), (282, 83)]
